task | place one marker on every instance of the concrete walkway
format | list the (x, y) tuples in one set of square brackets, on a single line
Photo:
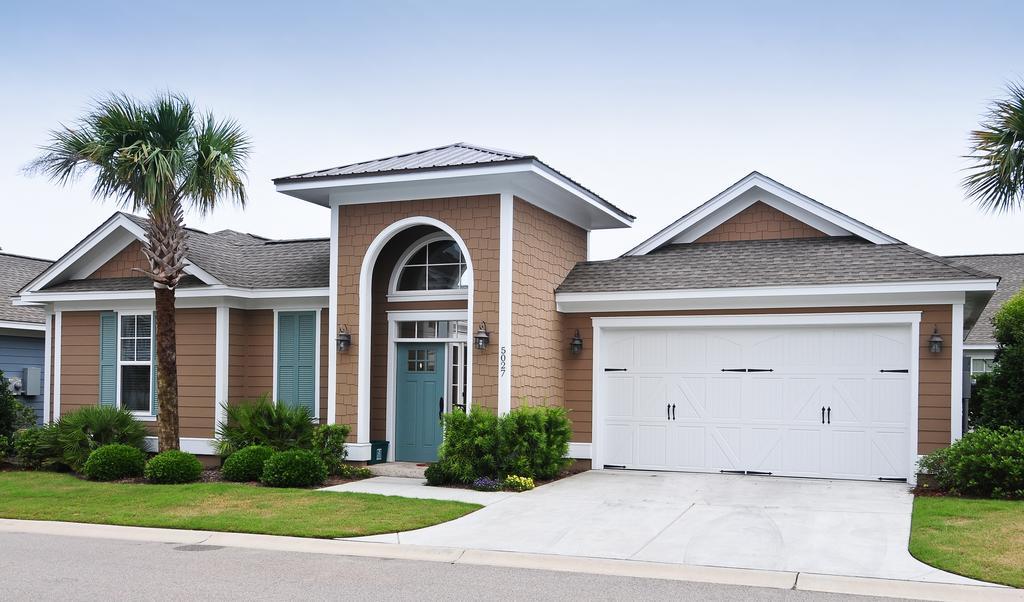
[(417, 488), (846, 528)]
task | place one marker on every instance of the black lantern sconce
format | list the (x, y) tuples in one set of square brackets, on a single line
[(344, 339), (482, 337), (576, 344), (935, 341)]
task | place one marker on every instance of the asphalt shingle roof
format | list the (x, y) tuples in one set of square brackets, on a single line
[(15, 272), (1010, 268), (459, 154), (755, 263), (240, 260)]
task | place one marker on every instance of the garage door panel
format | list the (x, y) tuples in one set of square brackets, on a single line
[(619, 443), (652, 444), (725, 397), (765, 399), (619, 396), (759, 421)]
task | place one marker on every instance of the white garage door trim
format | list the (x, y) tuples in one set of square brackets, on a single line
[(604, 324)]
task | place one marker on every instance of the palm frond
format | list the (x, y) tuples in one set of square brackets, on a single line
[(996, 180)]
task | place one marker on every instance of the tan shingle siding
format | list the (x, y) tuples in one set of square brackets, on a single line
[(124, 264), (760, 222)]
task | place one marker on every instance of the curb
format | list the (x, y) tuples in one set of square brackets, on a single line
[(938, 592)]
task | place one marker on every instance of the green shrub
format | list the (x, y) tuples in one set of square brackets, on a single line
[(14, 415), (36, 447), (528, 441), (82, 431), (983, 463), (328, 442), (998, 399), (173, 466), (113, 462), (246, 464), (295, 468), (262, 422), (6, 447), (348, 471), (516, 483)]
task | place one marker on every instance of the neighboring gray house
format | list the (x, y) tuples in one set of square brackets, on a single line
[(980, 342), (22, 331)]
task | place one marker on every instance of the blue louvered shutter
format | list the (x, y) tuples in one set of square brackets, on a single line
[(287, 359), (108, 359), (306, 353), (152, 363)]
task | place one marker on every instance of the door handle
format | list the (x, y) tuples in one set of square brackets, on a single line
[(440, 409), (673, 411), (668, 411), (823, 414), (830, 414)]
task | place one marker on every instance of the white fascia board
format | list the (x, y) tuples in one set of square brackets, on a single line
[(440, 183), (884, 293), (805, 319), (187, 293), (717, 202), (32, 326), (987, 347)]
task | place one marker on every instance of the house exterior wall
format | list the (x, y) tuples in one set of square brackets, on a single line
[(126, 264), (476, 219), (79, 360), (197, 374), (760, 221), (251, 354), (544, 249), (934, 391), (18, 353)]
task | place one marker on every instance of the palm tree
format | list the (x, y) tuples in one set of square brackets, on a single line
[(996, 180), (155, 158)]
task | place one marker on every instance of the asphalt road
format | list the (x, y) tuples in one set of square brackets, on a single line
[(46, 567)]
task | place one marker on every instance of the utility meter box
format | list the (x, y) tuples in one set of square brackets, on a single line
[(30, 382)]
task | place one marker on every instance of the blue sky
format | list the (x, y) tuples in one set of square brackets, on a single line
[(656, 106)]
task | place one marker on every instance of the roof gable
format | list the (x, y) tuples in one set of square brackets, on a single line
[(752, 191), (15, 272)]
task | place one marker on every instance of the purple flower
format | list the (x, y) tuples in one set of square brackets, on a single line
[(486, 484)]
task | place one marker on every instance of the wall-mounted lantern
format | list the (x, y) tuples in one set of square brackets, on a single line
[(344, 339), (482, 337), (935, 341), (576, 344)]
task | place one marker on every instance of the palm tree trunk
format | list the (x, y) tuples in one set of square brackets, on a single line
[(167, 370)]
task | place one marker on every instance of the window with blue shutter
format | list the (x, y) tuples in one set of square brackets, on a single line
[(108, 359), (296, 359)]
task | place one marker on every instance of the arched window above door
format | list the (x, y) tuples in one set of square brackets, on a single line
[(434, 267)]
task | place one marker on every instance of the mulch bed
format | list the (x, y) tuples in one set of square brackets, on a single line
[(576, 468)]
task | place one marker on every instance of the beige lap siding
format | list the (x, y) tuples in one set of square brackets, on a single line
[(251, 354), (79, 360), (544, 249), (934, 395), (476, 221)]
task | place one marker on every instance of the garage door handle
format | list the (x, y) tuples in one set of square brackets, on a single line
[(901, 371), (614, 369), (830, 414), (823, 414), (668, 411), (673, 411)]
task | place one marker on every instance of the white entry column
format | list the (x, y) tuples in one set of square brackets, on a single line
[(505, 305)]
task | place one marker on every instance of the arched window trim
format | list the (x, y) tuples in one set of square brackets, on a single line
[(438, 295)]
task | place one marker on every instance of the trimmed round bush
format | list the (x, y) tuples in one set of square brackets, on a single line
[(173, 466), (246, 464), (115, 461), (983, 463), (296, 468)]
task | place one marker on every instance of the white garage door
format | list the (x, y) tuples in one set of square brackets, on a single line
[(802, 401)]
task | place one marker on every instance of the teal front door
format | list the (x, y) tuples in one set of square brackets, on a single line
[(419, 401)]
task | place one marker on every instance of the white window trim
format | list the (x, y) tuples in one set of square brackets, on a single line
[(912, 319), (139, 414), (316, 366), (428, 295)]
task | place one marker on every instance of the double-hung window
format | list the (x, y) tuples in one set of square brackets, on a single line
[(135, 362)]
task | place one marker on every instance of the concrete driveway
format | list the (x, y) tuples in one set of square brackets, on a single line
[(814, 526)]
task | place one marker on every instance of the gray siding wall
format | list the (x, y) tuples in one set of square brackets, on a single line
[(18, 353)]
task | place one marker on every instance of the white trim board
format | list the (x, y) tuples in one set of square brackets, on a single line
[(912, 319), (200, 446), (956, 424), (752, 188), (222, 363), (29, 326), (207, 292), (505, 353), (332, 322)]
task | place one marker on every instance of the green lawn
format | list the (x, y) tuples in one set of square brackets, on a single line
[(217, 507), (982, 539)]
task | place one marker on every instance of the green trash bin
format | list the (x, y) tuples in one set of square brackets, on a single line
[(378, 452)]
